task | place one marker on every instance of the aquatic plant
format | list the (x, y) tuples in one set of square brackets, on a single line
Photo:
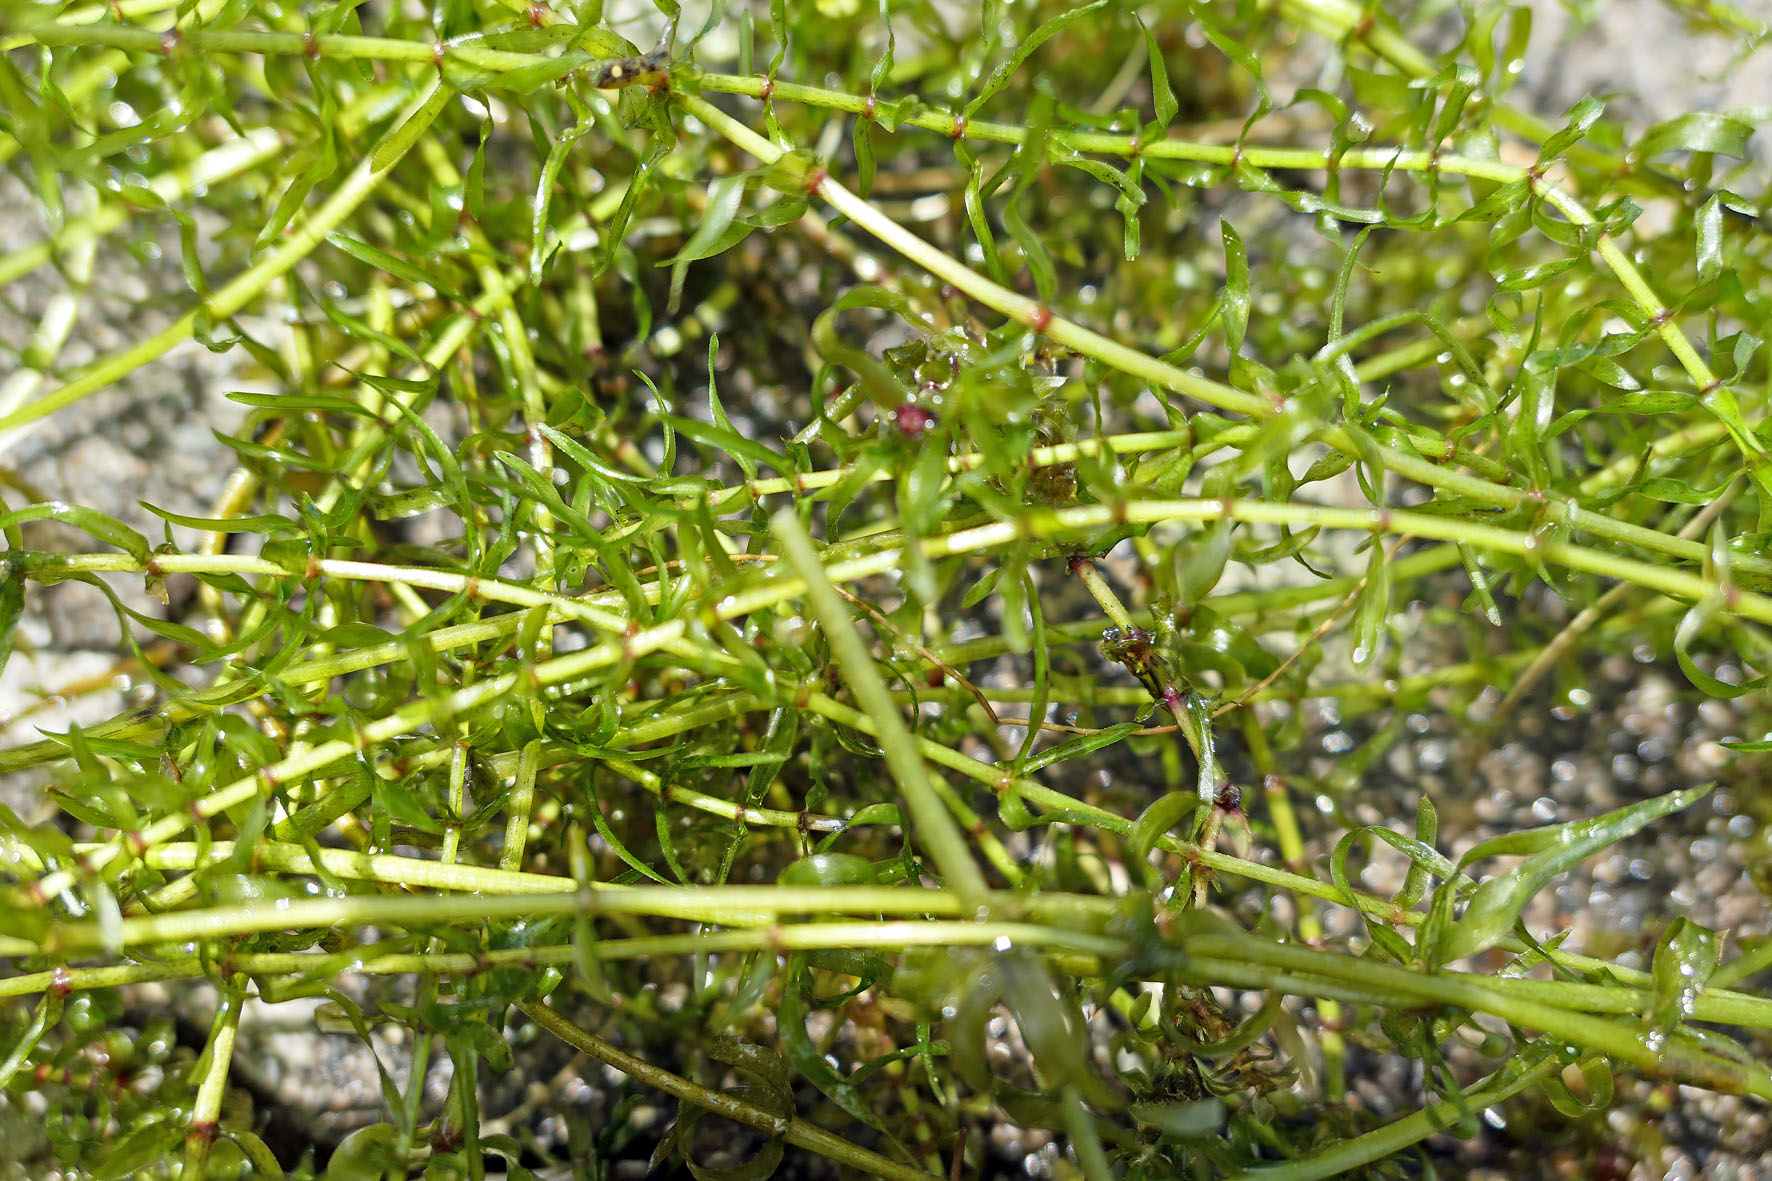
[(794, 554)]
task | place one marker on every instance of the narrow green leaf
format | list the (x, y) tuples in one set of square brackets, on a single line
[(1496, 905), (12, 603), (1000, 76), (1163, 814), (1234, 304), (105, 528), (1685, 957), (383, 261), (1076, 748), (710, 238), (526, 79), (1697, 131), (1581, 117), (1371, 616), (1161, 93), (400, 141), (1709, 227)]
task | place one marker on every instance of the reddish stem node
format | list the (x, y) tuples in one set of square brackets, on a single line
[(912, 421)]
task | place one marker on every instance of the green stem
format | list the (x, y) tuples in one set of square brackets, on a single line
[(218, 1055), (1348, 1155), (315, 670), (229, 158), (412, 122), (763, 918), (1050, 524), (1041, 319), (1250, 961), (332, 45), (792, 1129), (1257, 156), (946, 844)]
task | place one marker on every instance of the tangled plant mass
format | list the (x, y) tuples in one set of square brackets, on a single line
[(864, 583)]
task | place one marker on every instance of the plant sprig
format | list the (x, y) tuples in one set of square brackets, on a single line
[(662, 465)]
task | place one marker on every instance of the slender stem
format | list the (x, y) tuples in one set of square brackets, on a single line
[(790, 1128), (1258, 156), (1264, 604), (205, 1119), (232, 156), (1055, 523), (1047, 524), (945, 842), (1067, 923), (1091, 578), (1563, 644), (1041, 319), (522, 803), (332, 45), (1018, 308), (426, 104), (1227, 957), (1348, 1155)]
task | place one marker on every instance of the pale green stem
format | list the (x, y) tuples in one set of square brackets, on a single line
[(790, 1128), (941, 837), (766, 916), (1050, 524), (1039, 318), (1344, 1156), (1239, 958), (734, 906), (232, 156), (206, 1108), (1258, 156), (522, 802), (411, 123), (332, 45)]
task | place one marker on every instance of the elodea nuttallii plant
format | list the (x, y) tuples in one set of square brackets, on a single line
[(895, 588)]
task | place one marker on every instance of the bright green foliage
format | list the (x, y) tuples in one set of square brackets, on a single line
[(672, 421)]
